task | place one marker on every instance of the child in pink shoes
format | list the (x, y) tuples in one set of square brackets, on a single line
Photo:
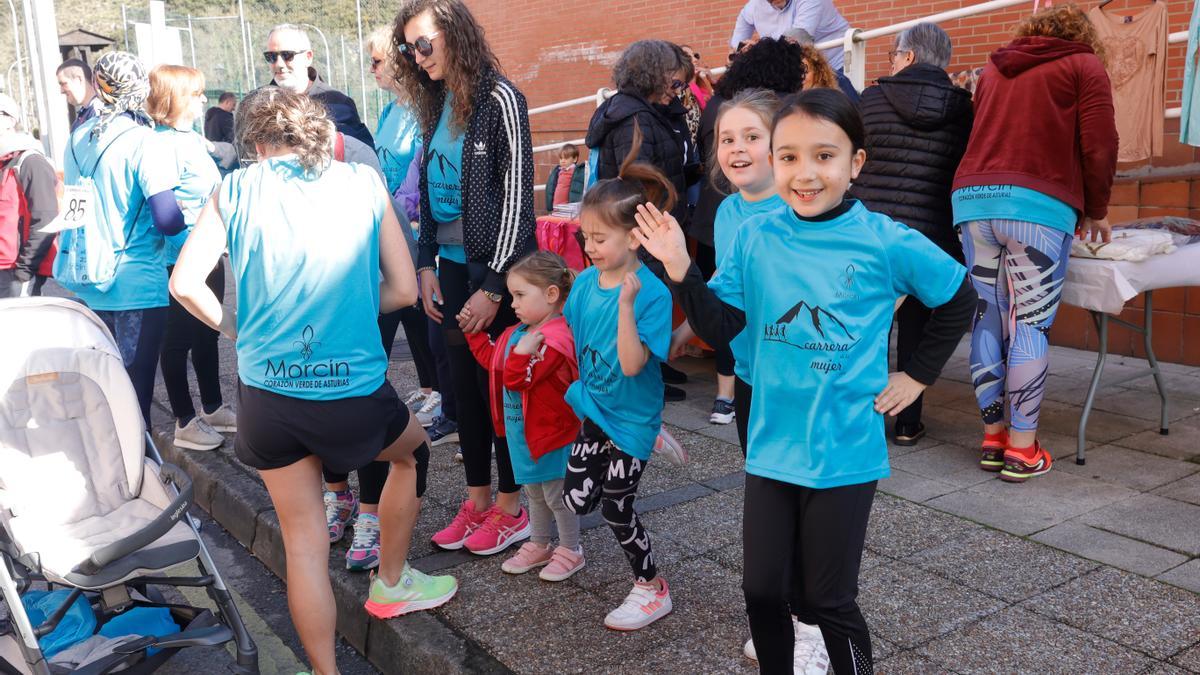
[(529, 368)]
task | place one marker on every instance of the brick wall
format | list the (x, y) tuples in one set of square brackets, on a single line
[(555, 50)]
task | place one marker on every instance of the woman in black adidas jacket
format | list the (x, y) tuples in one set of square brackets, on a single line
[(477, 219)]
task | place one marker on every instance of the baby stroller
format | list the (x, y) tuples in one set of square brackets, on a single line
[(87, 506)]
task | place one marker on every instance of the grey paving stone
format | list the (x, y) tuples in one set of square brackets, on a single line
[(1032, 506), (1158, 520), (899, 528), (729, 557), (909, 606), (1135, 470), (1110, 549), (1177, 383), (486, 593), (702, 524), (683, 417), (1182, 443), (1186, 576), (726, 433), (913, 487), (909, 663), (433, 518), (1016, 640), (708, 457), (1164, 668), (606, 561), (1188, 659), (1186, 490), (709, 652), (1063, 418), (660, 477), (1140, 613), (947, 463), (1009, 559), (1146, 404)]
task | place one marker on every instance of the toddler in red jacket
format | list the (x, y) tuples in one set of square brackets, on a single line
[(529, 369)]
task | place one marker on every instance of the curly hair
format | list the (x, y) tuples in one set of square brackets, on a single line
[(469, 60), (646, 67), (279, 117), (822, 72), (1066, 22), (777, 65)]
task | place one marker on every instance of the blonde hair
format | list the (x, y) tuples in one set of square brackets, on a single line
[(171, 91), (822, 72), (1066, 22), (762, 102), (545, 269), (380, 40), (280, 117)]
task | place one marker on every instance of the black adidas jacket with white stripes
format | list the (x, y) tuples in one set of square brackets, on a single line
[(497, 184)]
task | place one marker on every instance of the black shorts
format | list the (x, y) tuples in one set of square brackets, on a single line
[(275, 431)]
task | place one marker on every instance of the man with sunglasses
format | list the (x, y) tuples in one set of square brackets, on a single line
[(289, 52)]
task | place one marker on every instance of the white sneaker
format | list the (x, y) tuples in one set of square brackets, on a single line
[(666, 447), (809, 656), (414, 400), (197, 435), (642, 607), (749, 650), (223, 419), (431, 408)]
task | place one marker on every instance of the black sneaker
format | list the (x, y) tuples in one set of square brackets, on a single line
[(442, 431), (722, 412), (673, 375), (673, 394), (909, 434)]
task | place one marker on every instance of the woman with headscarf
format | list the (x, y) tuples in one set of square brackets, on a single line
[(116, 159)]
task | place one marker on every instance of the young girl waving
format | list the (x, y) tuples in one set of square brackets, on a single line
[(814, 288), (529, 368), (621, 316)]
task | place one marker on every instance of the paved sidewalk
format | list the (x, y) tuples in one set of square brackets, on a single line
[(1090, 568)]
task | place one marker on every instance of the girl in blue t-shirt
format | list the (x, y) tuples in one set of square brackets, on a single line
[(743, 149), (529, 369), (814, 287), (621, 317)]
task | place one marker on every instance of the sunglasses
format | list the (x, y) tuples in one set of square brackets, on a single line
[(678, 85), (422, 45), (285, 54), (696, 56)]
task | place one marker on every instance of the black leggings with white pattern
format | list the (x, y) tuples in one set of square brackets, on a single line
[(599, 473)]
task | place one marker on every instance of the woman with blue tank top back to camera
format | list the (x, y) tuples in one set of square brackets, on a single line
[(312, 371)]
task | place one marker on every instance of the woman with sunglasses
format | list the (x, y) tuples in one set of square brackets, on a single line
[(477, 219), (649, 76)]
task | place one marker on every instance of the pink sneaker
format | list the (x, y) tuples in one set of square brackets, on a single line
[(455, 534), (529, 557), (666, 447), (498, 531), (564, 563)]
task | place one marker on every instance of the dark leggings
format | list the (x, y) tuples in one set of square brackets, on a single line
[(706, 260), (139, 336), (802, 551), (441, 361), (185, 333), (417, 334), (743, 394), (470, 381), (910, 328), (599, 474)]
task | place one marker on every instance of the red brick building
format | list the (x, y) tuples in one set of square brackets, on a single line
[(557, 50)]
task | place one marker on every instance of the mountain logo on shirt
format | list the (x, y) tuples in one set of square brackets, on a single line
[(444, 164), (597, 373), (812, 328)]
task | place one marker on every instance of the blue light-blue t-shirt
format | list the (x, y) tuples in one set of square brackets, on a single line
[(733, 212), (397, 139), (197, 177), (627, 409), (550, 466), (307, 292), (128, 163), (444, 177), (819, 298), (1012, 202)]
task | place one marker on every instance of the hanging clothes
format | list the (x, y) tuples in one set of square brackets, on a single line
[(1137, 65), (1189, 121)]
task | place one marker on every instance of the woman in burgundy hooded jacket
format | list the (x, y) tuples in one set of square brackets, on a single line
[(1037, 171)]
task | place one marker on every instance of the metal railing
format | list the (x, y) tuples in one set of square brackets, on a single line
[(854, 45)]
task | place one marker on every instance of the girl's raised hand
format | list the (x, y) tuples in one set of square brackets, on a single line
[(659, 233)]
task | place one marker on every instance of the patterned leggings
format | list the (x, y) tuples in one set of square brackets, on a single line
[(599, 473), (1017, 269)]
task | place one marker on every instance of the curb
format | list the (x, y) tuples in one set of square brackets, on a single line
[(416, 643)]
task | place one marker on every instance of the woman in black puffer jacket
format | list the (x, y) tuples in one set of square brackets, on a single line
[(917, 126)]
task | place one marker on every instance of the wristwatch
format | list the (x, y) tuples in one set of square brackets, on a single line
[(494, 297)]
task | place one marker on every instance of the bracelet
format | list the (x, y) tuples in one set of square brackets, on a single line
[(494, 297), (431, 268)]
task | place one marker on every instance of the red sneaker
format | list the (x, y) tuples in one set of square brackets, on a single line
[(1021, 464), (498, 531), (992, 456), (455, 534)]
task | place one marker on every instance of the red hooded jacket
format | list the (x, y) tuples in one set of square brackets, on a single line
[(542, 379), (1044, 120)]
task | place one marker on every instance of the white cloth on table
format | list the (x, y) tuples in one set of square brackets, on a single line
[(1106, 285), (1135, 245)]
